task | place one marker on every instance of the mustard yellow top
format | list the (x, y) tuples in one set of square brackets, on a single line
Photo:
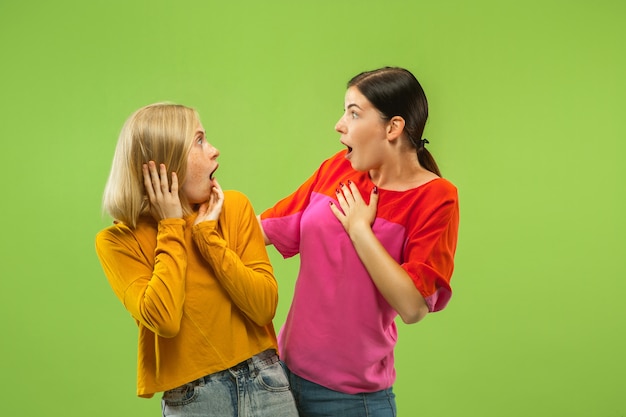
[(203, 296)]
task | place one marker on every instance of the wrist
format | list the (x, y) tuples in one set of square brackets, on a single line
[(359, 232)]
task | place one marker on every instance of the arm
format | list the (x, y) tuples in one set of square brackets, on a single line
[(390, 278), (266, 239), (151, 288), (393, 282), (235, 249), (280, 224)]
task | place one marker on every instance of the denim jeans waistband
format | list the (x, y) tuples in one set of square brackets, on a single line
[(249, 366)]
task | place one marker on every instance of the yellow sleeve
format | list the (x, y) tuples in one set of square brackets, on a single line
[(235, 248), (146, 269)]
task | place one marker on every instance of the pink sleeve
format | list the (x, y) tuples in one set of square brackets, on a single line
[(281, 223)]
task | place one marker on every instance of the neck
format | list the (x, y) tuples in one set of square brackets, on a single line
[(401, 173)]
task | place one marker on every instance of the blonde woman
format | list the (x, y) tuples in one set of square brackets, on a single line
[(188, 261)]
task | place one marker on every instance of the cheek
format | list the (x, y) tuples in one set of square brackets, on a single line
[(361, 135), (193, 168), (191, 178), (371, 133)]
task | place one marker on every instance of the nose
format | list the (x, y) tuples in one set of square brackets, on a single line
[(340, 126), (215, 152)]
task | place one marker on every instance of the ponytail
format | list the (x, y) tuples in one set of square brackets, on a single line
[(427, 161), (425, 158)]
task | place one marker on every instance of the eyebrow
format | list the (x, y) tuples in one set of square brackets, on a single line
[(353, 105)]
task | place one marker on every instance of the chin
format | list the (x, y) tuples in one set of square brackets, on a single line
[(356, 166)]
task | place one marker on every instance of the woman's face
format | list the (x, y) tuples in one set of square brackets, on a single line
[(201, 165), (363, 131)]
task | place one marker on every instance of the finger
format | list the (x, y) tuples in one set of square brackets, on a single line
[(154, 176), (338, 213), (341, 199), (203, 209), (147, 182), (212, 197), (374, 197), (218, 196), (174, 183), (165, 186), (218, 188), (354, 191), (347, 192)]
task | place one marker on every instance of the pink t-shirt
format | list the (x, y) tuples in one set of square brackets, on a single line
[(340, 331)]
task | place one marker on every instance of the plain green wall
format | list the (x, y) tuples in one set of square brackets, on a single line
[(526, 100)]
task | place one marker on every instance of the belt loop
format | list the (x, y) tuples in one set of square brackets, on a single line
[(252, 369)]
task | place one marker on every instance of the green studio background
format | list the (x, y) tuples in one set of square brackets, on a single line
[(526, 102)]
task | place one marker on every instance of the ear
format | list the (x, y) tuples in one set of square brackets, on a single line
[(395, 127)]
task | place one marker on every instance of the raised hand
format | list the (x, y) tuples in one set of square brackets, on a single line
[(211, 209), (354, 211), (164, 200)]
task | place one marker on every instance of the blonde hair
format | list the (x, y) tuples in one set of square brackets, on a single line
[(160, 132)]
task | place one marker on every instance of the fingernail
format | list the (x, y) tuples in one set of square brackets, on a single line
[(337, 191), (341, 184), (375, 190), (349, 182)]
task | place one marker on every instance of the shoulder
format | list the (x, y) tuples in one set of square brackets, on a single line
[(234, 196), (236, 202), (440, 196), (441, 187), (433, 196), (115, 236), (116, 231), (120, 233)]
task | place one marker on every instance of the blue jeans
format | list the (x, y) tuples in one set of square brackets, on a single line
[(314, 400), (257, 387)]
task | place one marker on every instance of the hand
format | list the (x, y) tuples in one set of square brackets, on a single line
[(211, 209), (164, 201), (356, 213)]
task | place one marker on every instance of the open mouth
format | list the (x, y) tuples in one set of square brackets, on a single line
[(212, 173)]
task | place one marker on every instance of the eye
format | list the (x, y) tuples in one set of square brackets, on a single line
[(199, 140), (354, 115)]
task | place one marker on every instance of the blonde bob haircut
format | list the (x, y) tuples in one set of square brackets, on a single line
[(160, 132)]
